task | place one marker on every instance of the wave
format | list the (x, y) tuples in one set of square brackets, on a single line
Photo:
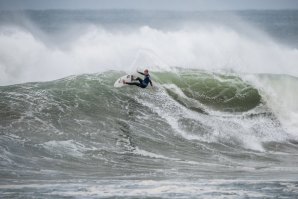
[(279, 93), (210, 93), (221, 92), (230, 104), (83, 126)]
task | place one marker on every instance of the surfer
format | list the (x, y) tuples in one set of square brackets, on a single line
[(143, 83)]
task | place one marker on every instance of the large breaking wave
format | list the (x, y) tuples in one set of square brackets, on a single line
[(83, 120), (223, 106)]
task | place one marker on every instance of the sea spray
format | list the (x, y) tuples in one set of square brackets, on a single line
[(28, 56)]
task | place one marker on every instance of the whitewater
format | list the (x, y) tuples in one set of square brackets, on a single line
[(220, 121)]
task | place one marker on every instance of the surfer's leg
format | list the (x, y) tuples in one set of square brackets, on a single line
[(134, 83), (140, 80)]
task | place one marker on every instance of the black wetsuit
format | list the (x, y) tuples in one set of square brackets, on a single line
[(143, 83)]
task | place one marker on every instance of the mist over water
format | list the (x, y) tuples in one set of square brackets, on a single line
[(44, 45), (220, 121)]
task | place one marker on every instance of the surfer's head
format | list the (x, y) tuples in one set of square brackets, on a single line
[(146, 71)]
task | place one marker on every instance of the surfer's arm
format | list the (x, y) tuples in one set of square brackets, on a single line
[(150, 83), (141, 73)]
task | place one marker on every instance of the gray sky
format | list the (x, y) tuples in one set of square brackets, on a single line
[(149, 4)]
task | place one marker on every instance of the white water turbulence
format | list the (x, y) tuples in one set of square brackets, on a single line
[(220, 121), (31, 54)]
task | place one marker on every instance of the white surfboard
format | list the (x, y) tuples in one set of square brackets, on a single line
[(119, 82)]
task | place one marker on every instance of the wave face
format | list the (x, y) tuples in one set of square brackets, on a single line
[(220, 121), (81, 127)]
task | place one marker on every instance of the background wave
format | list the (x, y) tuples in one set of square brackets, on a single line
[(38, 46)]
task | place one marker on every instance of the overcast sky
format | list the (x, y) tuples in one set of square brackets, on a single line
[(149, 4)]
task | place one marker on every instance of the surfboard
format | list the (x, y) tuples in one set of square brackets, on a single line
[(119, 82)]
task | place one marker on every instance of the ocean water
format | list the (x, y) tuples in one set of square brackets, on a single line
[(220, 121)]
